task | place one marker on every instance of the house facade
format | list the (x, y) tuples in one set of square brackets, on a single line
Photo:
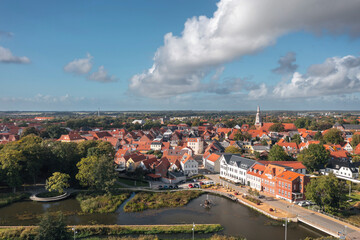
[(234, 167), (189, 165)]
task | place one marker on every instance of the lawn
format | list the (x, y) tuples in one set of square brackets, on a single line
[(48, 194), (143, 200), (107, 203), (355, 197), (118, 231), (8, 198), (131, 182)]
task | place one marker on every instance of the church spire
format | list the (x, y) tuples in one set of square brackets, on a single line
[(258, 122)]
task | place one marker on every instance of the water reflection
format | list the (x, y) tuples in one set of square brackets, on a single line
[(237, 219)]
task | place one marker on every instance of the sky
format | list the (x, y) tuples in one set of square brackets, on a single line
[(179, 55)]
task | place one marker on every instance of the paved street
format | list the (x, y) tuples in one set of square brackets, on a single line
[(331, 225)]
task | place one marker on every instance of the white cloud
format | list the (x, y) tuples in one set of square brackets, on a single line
[(102, 76), (6, 56), (260, 92), (237, 28), (335, 76), (79, 66)]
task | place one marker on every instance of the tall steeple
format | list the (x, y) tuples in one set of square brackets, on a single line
[(258, 122)]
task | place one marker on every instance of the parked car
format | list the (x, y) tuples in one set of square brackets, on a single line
[(160, 187), (171, 187), (261, 196), (176, 187), (196, 185), (303, 204), (190, 185), (166, 187), (201, 183)]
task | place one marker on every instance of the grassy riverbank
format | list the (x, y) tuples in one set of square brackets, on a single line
[(145, 200), (95, 203), (155, 237), (19, 233), (8, 198)]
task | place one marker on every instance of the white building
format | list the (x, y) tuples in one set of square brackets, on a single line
[(141, 122), (234, 168), (211, 162), (342, 168), (254, 176), (348, 147), (156, 146), (189, 165), (196, 144)]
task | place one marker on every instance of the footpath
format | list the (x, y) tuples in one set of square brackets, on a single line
[(284, 210)]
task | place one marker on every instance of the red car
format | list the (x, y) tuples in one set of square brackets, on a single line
[(190, 185)]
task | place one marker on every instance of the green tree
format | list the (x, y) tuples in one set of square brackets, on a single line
[(296, 138), (36, 154), (102, 148), (264, 142), (318, 136), (233, 150), (257, 155), (277, 127), (53, 228), (11, 164), (54, 131), (302, 122), (30, 130), (277, 153), (327, 192), (314, 157), (96, 172), (355, 140), (333, 136), (58, 182)]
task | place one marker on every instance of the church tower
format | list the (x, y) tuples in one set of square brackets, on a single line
[(258, 122)]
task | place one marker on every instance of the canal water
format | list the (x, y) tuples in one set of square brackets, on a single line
[(236, 219)]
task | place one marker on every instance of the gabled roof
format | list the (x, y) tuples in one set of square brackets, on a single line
[(256, 170), (288, 175), (240, 162), (338, 163), (340, 154), (291, 164), (214, 157), (186, 157), (292, 145)]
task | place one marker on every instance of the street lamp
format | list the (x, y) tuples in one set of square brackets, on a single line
[(74, 229), (193, 230), (285, 225)]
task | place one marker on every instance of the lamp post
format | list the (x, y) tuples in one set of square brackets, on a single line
[(193, 230), (285, 225), (74, 229)]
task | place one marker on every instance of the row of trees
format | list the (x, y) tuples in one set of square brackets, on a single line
[(32, 159)]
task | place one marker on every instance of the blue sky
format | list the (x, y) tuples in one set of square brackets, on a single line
[(84, 55)]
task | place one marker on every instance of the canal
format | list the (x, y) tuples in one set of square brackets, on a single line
[(236, 219)]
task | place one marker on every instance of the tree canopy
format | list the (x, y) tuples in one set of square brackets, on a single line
[(314, 157), (355, 140), (333, 136), (233, 150), (277, 153), (53, 228), (96, 172), (327, 192), (58, 182), (277, 127)]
